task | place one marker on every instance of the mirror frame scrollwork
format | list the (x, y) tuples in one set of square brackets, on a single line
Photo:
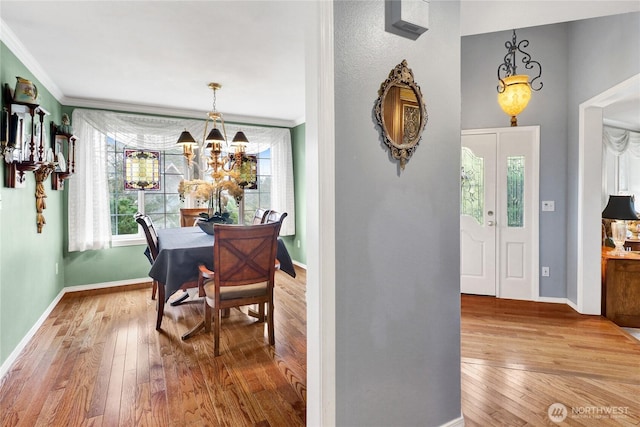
[(401, 76)]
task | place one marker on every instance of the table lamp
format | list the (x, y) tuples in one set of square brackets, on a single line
[(621, 209)]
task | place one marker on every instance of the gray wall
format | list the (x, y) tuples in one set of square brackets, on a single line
[(397, 245), (604, 52), (579, 60), (481, 56)]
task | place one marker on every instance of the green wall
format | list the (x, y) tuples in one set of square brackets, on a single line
[(28, 280), (297, 244)]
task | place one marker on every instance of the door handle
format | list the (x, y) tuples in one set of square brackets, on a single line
[(491, 223)]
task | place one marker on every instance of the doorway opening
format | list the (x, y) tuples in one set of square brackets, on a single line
[(588, 243)]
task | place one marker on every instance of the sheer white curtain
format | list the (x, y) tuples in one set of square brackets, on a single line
[(89, 223), (89, 216), (620, 162), (282, 194)]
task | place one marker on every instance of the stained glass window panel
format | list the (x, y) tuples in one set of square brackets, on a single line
[(472, 185), (515, 191), (141, 170)]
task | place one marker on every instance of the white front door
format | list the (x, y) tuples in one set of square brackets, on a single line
[(499, 212), (477, 215)]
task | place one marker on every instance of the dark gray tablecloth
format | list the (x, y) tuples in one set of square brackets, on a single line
[(181, 250)]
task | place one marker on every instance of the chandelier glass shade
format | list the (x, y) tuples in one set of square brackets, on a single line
[(515, 95)]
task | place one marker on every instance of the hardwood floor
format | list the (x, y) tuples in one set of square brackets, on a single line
[(519, 357), (98, 361)]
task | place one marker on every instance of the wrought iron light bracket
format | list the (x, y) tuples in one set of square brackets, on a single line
[(508, 67)]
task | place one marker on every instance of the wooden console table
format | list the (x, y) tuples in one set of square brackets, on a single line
[(632, 244), (621, 288)]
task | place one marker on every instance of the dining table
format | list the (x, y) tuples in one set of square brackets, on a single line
[(180, 252)]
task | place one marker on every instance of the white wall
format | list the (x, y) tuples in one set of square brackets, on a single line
[(397, 233)]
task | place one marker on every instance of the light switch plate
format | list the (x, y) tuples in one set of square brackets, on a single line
[(548, 206)]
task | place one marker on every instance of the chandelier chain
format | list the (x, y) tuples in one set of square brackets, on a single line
[(213, 108)]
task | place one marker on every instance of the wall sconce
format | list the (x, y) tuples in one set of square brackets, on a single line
[(514, 90), (64, 147), (22, 144), (24, 148)]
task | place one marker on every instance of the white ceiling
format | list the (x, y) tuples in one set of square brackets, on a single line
[(164, 54), (159, 56)]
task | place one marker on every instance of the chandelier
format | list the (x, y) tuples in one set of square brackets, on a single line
[(514, 90), (230, 168), (214, 139)]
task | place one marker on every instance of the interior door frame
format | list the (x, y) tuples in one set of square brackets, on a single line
[(588, 243), (320, 189), (535, 212)]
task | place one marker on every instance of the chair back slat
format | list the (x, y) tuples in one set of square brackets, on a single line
[(275, 216), (149, 232), (260, 216)]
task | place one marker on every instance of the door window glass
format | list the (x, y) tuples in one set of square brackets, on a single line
[(472, 185), (515, 191)]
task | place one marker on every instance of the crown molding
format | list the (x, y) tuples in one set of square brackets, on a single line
[(20, 51), (12, 42), (171, 112), (300, 120)]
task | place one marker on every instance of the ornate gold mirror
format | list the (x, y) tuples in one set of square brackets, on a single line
[(401, 113)]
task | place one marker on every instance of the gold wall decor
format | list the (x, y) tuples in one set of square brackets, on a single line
[(401, 113), (42, 173)]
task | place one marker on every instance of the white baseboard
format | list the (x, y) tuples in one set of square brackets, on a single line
[(299, 264), (560, 300), (93, 286), (458, 422), (556, 300), (572, 305), (6, 365), (25, 340)]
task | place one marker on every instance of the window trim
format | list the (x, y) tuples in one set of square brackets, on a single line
[(128, 240)]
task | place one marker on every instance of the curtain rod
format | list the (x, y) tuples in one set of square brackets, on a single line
[(618, 125)]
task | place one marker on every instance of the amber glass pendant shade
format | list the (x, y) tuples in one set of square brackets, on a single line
[(514, 95)]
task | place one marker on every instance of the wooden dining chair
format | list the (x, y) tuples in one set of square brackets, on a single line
[(188, 216), (152, 242), (244, 262), (275, 216), (260, 216)]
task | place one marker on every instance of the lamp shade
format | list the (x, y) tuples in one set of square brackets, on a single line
[(620, 207), (215, 136), (240, 138), (516, 94), (186, 138)]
